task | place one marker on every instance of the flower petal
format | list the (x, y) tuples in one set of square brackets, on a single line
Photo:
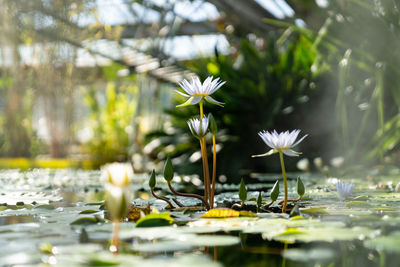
[(291, 153), (196, 100), (182, 94), (213, 101), (272, 151), (187, 103), (298, 142)]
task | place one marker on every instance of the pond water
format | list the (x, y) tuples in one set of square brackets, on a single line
[(56, 218)]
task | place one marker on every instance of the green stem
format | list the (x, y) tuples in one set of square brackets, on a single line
[(214, 172), (189, 195), (161, 198), (291, 200), (284, 182)]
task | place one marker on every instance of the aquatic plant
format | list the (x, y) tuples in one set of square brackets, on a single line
[(344, 189), (197, 92), (282, 143), (117, 178)]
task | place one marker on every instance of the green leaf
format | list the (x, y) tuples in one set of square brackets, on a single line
[(85, 221), (213, 124), (155, 219), (275, 191), (242, 191), (259, 200), (88, 211), (168, 170), (152, 181), (300, 187)]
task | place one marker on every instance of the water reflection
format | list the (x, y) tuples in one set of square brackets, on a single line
[(6, 220)]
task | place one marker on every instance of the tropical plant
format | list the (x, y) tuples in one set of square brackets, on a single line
[(358, 41)]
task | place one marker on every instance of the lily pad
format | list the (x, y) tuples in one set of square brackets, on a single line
[(155, 219)]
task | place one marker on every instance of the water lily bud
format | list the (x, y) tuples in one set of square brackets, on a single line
[(300, 187), (275, 191), (168, 170), (213, 124), (259, 200), (242, 191), (152, 181), (198, 127), (117, 178)]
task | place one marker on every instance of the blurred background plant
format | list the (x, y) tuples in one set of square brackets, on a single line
[(91, 79)]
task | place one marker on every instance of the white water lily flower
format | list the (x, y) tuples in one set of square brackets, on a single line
[(281, 142), (344, 189), (198, 127), (117, 178), (196, 91)]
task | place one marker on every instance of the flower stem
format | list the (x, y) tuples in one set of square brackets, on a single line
[(207, 206), (201, 109), (115, 242), (214, 172), (284, 182), (206, 171), (161, 198)]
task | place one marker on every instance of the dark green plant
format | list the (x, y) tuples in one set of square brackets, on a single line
[(168, 170), (300, 187), (275, 191), (242, 192), (259, 201)]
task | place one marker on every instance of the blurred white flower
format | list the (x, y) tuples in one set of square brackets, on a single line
[(198, 127), (281, 142), (344, 189), (118, 174), (337, 162), (318, 163), (196, 91), (303, 165), (117, 178)]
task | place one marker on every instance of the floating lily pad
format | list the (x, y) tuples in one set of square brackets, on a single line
[(155, 219)]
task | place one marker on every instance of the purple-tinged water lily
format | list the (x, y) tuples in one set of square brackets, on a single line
[(197, 91), (344, 189), (198, 127)]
